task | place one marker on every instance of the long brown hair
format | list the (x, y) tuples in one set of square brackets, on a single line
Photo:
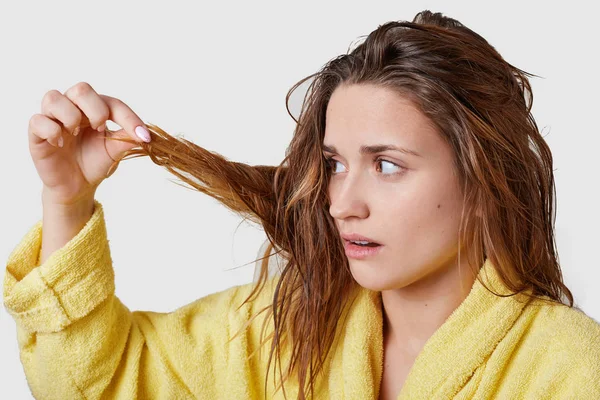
[(482, 107)]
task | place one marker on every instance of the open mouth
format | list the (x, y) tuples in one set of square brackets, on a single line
[(362, 244)]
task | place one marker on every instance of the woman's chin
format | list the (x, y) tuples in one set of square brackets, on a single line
[(372, 278), (368, 277)]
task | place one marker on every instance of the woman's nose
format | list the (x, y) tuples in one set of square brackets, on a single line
[(347, 199)]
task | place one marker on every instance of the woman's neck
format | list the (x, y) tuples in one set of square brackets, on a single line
[(413, 313)]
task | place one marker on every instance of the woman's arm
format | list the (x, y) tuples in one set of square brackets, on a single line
[(62, 222), (78, 341)]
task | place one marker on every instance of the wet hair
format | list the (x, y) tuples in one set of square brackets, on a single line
[(481, 105)]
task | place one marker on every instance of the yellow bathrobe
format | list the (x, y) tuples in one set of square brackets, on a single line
[(78, 341)]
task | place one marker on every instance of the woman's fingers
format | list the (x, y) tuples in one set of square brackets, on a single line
[(42, 128), (58, 106), (89, 102), (81, 106), (97, 109), (122, 115)]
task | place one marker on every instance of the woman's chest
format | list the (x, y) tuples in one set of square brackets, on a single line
[(396, 367)]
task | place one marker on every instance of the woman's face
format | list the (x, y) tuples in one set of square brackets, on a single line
[(410, 204)]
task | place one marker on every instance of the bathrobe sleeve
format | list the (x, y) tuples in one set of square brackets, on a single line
[(77, 340)]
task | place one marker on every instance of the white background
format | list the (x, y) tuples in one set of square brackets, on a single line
[(218, 73)]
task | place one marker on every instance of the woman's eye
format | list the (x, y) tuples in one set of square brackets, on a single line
[(332, 163), (389, 170)]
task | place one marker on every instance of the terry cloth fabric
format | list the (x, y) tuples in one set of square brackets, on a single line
[(78, 341)]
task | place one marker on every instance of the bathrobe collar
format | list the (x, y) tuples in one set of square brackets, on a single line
[(449, 357)]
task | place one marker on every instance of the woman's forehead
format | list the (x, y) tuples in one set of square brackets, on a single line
[(359, 115)]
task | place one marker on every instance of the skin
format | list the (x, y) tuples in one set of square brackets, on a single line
[(72, 158), (410, 204)]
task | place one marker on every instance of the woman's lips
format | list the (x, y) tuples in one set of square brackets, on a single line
[(357, 238), (359, 252)]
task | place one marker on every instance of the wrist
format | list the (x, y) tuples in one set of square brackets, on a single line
[(62, 221), (50, 200), (80, 209)]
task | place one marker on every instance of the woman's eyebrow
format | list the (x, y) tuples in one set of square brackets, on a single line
[(376, 148)]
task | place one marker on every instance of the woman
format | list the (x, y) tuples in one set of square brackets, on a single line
[(414, 214)]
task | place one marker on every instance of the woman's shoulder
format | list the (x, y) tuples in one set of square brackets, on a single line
[(237, 299), (565, 333), (551, 351), (560, 319)]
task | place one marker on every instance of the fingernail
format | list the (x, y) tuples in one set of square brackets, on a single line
[(60, 141), (142, 133), (76, 131)]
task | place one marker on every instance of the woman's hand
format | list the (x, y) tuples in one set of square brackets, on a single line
[(67, 145)]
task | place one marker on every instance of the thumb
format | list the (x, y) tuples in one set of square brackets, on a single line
[(116, 149)]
